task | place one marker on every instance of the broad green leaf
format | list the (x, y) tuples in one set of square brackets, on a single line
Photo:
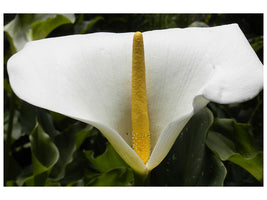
[(25, 173), (214, 171), (41, 29), (37, 166), (28, 27), (237, 176), (107, 161), (43, 149), (37, 180), (115, 177), (40, 180), (29, 113), (75, 170), (46, 121), (59, 119), (254, 164), (88, 138), (234, 142), (28, 117), (44, 156), (112, 170), (66, 145), (190, 162), (51, 183), (81, 136)]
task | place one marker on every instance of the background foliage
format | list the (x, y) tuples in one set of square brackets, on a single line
[(221, 145)]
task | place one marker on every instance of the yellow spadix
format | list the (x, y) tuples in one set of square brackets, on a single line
[(140, 121)]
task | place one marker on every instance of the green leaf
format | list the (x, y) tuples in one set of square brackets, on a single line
[(41, 29), (257, 43), (214, 171), (28, 27), (37, 166), (37, 180), (112, 170), (43, 149), (46, 121), (115, 177), (107, 161), (190, 162), (10, 183), (40, 180), (237, 176), (234, 142), (75, 170), (66, 145), (26, 172), (254, 164), (79, 165), (44, 156), (27, 117), (82, 135)]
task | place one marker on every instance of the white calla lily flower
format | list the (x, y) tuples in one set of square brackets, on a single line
[(88, 78)]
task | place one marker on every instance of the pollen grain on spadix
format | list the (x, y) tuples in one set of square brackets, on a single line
[(140, 121)]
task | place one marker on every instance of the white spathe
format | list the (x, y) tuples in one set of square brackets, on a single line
[(88, 78)]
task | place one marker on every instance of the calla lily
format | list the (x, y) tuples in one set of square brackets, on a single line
[(88, 78)]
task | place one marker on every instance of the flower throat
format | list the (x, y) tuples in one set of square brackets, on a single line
[(140, 121)]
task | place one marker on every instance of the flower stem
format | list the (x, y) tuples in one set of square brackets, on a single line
[(141, 179)]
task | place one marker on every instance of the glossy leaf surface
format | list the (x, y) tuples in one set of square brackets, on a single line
[(190, 162), (235, 142), (30, 27)]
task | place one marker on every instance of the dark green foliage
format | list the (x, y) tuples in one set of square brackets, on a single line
[(235, 142), (222, 145), (190, 163)]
